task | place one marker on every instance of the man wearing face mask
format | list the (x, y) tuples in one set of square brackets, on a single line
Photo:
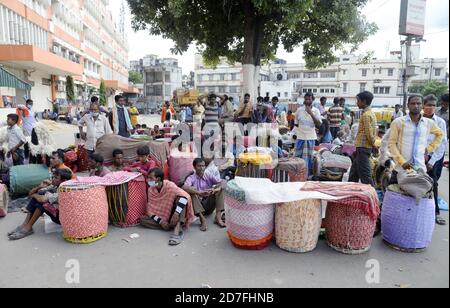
[(435, 160), (97, 126), (169, 207), (28, 118)]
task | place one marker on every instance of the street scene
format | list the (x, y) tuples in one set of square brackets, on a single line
[(243, 144)]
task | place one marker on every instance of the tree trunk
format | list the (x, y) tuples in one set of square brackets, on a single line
[(252, 50)]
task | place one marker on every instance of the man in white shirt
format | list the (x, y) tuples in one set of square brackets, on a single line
[(398, 113), (97, 126), (307, 120), (435, 160)]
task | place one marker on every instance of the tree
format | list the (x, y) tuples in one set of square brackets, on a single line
[(103, 94), (250, 31), (434, 87), (70, 89), (135, 77)]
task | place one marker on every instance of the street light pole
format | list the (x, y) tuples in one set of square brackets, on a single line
[(408, 43)]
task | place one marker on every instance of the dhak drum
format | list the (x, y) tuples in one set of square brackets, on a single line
[(290, 170), (83, 212), (254, 165), (406, 225), (297, 225), (180, 165), (249, 226)]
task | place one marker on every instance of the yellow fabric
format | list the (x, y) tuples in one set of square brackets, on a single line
[(134, 118), (87, 240), (367, 131), (255, 158)]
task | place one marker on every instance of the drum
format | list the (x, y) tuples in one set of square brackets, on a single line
[(250, 226), (297, 225), (127, 198), (349, 229), (407, 226), (290, 170), (4, 200), (254, 165), (180, 165), (25, 178), (83, 212)]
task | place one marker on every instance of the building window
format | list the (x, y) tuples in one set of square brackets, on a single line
[(362, 87), (314, 90), (222, 77), (374, 71), (328, 74), (437, 72), (305, 91), (327, 90), (200, 78), (364, 72), (345, 87), (310, 75), (382, 90), (278, 94), (286, 94), (344, 72), (332, 90), (322, 90), (390, 72), (233, 76)]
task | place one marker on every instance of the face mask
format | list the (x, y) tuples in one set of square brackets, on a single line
[(95, 114), (152, 184), (30, 107)]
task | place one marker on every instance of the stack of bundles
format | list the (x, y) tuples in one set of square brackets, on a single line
[(329, 166), (255, 165), (290, 170), (83, 212), (409, 214), (250, 226), (159, 151), (350, 222)]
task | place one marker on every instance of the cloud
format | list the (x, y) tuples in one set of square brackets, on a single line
[(385, 13)]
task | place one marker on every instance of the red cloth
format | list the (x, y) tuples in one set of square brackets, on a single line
[(161, 203), (143, 168), (357, 195)]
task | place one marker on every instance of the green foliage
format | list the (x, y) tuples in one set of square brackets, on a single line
[(434, 87), (103, 94), (135, 77), (70, 89), (250, 31)]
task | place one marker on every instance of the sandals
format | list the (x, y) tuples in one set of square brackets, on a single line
[(220, 224), (20, 235), (176, 240), (204, 228), (441, 221), (18, 229)]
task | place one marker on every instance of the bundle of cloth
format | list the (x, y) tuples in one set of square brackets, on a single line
[(329, 166), (42, 143)]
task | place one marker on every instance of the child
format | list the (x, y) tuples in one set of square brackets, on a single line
[(44, 199), (144, 164), (16, 140), (96, 166), (117, 161)]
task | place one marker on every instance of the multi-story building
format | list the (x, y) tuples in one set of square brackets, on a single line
[(225, 78), (43, 41), (348, 77)]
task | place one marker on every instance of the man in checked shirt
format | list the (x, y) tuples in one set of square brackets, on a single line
[(365, 141)]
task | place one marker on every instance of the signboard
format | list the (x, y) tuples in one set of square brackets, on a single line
[(412, 17)]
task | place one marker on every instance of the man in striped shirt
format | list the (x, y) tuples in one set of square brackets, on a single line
[(365, 141), (335, 117), (212, 113)]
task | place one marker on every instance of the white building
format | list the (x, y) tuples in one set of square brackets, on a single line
[(348, 77), (223, 79)]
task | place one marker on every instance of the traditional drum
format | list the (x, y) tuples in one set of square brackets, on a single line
[(4, 200), (127, 198), (297, 225), (290, 170), (407, 226), (249, 226), (180, 165), (24, 178), (349, 229), (254, 165), (83, 212)]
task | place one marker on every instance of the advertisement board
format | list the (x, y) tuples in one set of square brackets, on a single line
[(412, 17)]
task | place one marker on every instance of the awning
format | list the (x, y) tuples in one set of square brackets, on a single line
[(8, 80)]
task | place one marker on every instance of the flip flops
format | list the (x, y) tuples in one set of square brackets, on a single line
[(20, 235), (176, 240)]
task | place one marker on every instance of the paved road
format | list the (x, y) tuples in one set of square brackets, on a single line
[(209, 258)]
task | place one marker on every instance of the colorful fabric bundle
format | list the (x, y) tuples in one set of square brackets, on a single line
[(330, 167), (348, 149), (249, 226), (407, 226), (83, 157), (4, 200), (297, 225), (24, 178), (255, 165), (83, 212), (180, 165), (290, 170)]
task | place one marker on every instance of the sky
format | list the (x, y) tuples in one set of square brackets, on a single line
[(385, 13)]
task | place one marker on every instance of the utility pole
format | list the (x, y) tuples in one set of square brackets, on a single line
[(408, 43)]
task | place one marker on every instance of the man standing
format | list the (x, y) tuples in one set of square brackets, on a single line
[(307, 120), (435, 160), (409, 138), (227, 110), (274, 110), (167, 112), (244, 113), (28, 118), (365, 141), (97, 126), (121, 121), (443, 111), (323, 103), (398, 113), (207, 194), (335, 117), (347, 110)]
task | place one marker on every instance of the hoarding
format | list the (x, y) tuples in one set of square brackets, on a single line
[(412, 17)]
